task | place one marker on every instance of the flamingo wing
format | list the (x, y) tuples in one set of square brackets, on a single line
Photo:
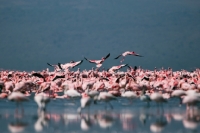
[(131, 76), (77, 63), (107, 56), (91, 61), (123, 65), (129, 67), (118, 56), (38, 75), (59, 65), (135, 54), (138, 55), (57, 77), (50, 64)]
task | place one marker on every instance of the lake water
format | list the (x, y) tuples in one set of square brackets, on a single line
[(61, 116)]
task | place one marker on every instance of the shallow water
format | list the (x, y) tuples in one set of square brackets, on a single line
[(61, 116)]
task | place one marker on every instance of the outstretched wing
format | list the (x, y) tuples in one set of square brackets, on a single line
[(129, 67), (123, 65), (59, 65), (118, 56), (107, 56), (38, 75), (91, 61), (138, 55), (77, 63), (50, 65)]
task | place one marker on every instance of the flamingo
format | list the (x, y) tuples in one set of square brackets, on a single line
[(144, 97), (106, 97), (127, 53), (18, 97), (158, 98), (57, 68), (92, 93), (71, 92), (191, 99), (98, 62), (179, 94), (42, 99), (67, 66), (114, 68), (38, 75), (85, 102), (128, 94)]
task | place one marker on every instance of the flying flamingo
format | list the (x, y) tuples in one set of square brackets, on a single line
[(98, 62), (67, 66), (56, 67), (127, 53), (114, 68)]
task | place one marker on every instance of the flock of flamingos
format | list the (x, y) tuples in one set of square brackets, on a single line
[(93, 85)]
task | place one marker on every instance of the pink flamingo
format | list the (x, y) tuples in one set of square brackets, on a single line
[(67, 66), (127, 53), (85, 102), (107, 97), (56, 67), (18, 97), (114, 68), (42, 99), (98, 62)]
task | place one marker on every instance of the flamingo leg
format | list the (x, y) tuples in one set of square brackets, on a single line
[(122, 59)]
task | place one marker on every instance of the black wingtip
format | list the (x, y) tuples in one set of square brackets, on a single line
[(59, 65), (85, 58), (107, 56), (49, 64), (118, 57), (139, 55)]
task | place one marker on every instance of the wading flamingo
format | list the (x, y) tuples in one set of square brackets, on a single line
[(42, 99), (85, 102), (106, 97)]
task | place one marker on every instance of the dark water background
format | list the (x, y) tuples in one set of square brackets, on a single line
[(34, 32), (62, 116)]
